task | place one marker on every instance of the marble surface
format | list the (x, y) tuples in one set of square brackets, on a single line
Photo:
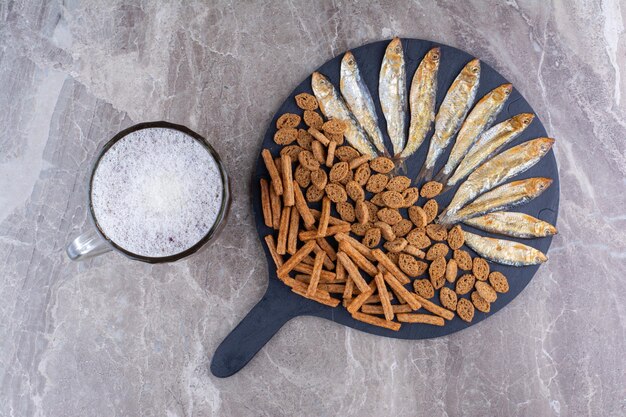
[(112, 337)]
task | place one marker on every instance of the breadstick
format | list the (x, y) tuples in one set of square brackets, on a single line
[(413, 250), (302, 207), (359, 259), (271, 168), (292, 237), (330, 155), (330, 301), (306, 278), (349, 288), (360, 299), (323, 223), (276, 208), (352, 270), (384, 300), (332, 230), (340, 273), (287, 173), (390, 266), (327, 262), (319, 136), (333, 221), (308, 260), (376, 321), (295, 259), (378, 309), (325, 276), (315, 275), (265, 204), (332, 288), (421, 318), (269, 241), (401, 291), (434, 308), (357, 162), (364, 250), (375, 299), (302, 286), (281, 246), (330, 252)]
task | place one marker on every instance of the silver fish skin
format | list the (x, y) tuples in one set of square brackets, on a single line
[(505, 252), (481, 117), (490, 143), (359, 100), (509, 223), (392, 93), (422, 98), (333, 107), (451, 114), (497, 170), (504, 197)]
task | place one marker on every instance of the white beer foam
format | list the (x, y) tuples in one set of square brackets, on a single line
[(156, 192)]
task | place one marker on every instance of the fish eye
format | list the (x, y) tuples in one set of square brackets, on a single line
[(351, 61), (435, 56), (398, 49), (474, 70)]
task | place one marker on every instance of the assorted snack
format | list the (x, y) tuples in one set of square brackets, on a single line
[(350, 230)]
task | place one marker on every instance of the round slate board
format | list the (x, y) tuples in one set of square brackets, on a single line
[(279, 304)]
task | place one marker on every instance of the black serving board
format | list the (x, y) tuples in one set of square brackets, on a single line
[(279, 304)]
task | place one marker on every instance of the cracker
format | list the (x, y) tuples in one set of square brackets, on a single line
[(401, 291), (410, 195), (397, 245), (434, 308), (499, 282), (292, 150), (302, 176), (292, 236), (479, 302), (317, 149), (411, 266), (437, 250), (295, 259), (306, 101), (418, 239), (319, 178), (334, 126), (347, 178), (390, 266), (346, 153), (346, 211), (286, 136), (382, 164), (308, 161), (322, 228), (361, 212), (418, 216), (451, 271), (424, 288), (288, 198), (265, 203), (465, 310), (314, 194), (288, 120), (372, 237), (420, 318), (486, 291), (377, 200), (330, 154), (393, 257), (372, 209), (465, 284), (360, 229), (398, 184), (384, 298), (313, 119), (389, 216), (393, 199), (277, 208), (303, 208), (431, 189), (437, 272), (335, 137), (448, 298), (277, 183), (336, 193), (402, 228), (376, 183), (304, 139), (355, 191), (456, 238), (386, 230), (376, 321), (362, 174), (281, 245), (271, 246), (463, 259), (432, 209), (315, 275), (480, 269), (436, 232), (414, 251)]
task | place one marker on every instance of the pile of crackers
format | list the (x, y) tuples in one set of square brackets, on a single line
[(382, 258)]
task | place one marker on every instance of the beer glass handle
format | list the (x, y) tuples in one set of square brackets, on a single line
[(87, 245)]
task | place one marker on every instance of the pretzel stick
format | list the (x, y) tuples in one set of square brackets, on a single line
[(271, 168)]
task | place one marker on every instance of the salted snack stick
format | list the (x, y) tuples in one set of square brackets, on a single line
[(376, 321), (315, 275), (359, 259), (364, 250), (340, 272), (276, 208), (301, 205), (295, 259), (330, 154), (384, 300), (333, 221), (357, 302), (332, 288), (271, 245), (283, 229), (401, 291), (323, 223), (348, 291), (378, 309), (330, 231), (319, 136), (327, 262), (324, 279), (375, 299), (420, 318), (330, 301), (288, 197), (271, 168), (325, 276), (330, 252), (352, 271), (434, 308), (265, 203), (292, 236), (358, 161), (390, 266)]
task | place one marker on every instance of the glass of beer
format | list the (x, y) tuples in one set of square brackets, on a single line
[(158, 192)]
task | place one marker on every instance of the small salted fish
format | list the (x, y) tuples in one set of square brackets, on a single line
[(422, 101), (504, 197), (452, 112), (392, 93), (481, 117), (512, 224), (505, 252), (496, 171), (359, 100), (333, 107), (490, 143)]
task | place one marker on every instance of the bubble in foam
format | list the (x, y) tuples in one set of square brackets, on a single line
[(156, 192)]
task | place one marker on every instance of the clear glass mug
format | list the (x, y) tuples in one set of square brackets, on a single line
[(95, 242)]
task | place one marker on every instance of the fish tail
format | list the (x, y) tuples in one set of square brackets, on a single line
[(446, 188), (424, 175), (441, 177), (400, 165)]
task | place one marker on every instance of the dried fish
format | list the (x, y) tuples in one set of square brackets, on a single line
[(333, 107), (512, 224), (392, 93), (506, 252)]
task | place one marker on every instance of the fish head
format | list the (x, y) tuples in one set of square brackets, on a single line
[(503, 91), (348, 61), (394, 52), (538, 185), (432, 57), (522, 120), (322, 87), (471, 71)]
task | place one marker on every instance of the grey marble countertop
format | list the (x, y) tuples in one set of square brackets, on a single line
[(113, 337)]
